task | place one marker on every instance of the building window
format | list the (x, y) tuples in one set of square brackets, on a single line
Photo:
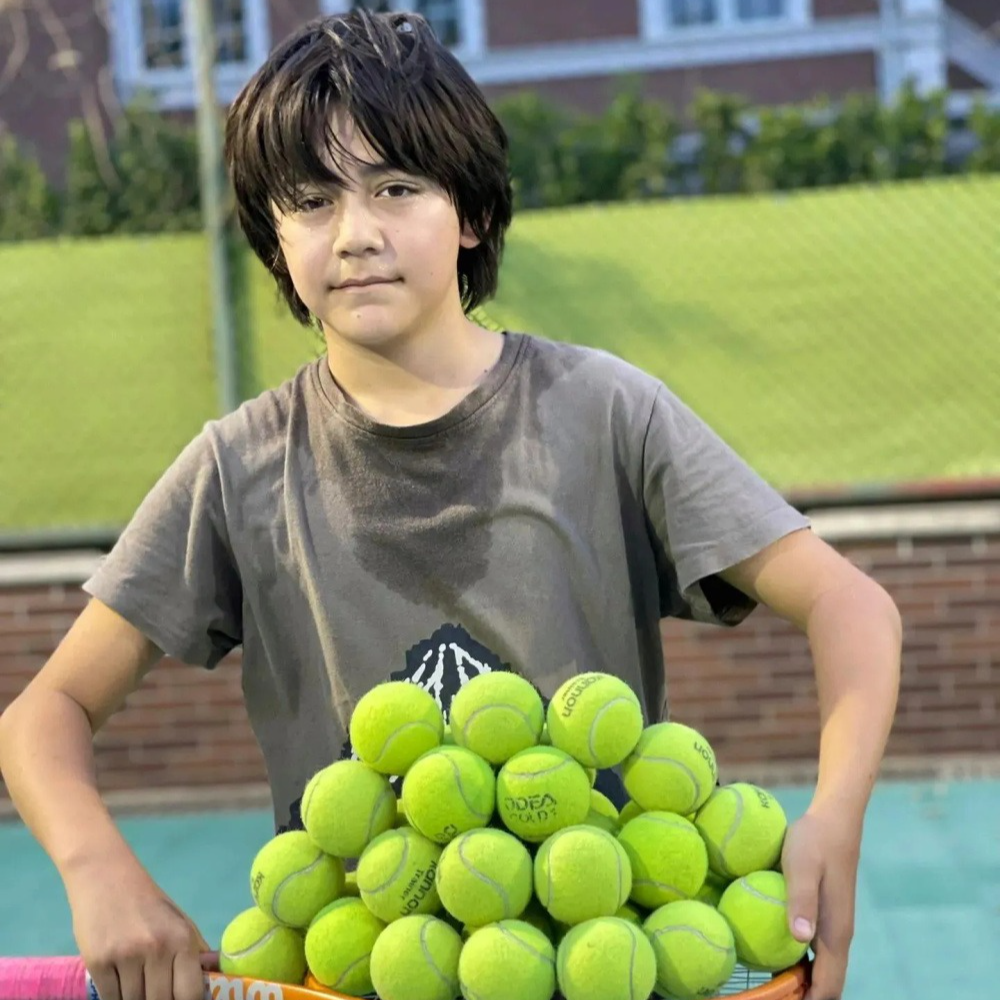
[(149, 46), (683, 13), (679, 15), (444, 16), (163, 42), (761, 10)]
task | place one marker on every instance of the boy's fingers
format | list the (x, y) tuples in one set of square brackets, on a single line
[(803, 901), (833, 941), (828, 974)]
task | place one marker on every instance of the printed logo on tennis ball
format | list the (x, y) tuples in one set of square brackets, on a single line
[(571, 697), (532, 808), (709, 757), (416, 889)]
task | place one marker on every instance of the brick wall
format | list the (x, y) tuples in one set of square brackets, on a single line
[(750, 689)]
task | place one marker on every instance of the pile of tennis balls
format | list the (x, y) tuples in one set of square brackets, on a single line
[(501, 874)]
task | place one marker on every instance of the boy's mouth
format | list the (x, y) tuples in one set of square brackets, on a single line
[(357, 284)]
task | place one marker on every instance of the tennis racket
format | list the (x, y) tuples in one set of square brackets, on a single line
[(67, 979)]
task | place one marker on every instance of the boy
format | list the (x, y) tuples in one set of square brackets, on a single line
[(427, 501)]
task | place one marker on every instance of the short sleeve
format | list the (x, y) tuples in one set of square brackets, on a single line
[(706, 510), (171, 574)]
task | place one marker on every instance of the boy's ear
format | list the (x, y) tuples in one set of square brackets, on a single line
[(468, 240)]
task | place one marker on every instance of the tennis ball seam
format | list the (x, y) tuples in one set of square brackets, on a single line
[(350, 968), (675, 822), (512, 936), (377, 811), (646, 759), (690, 929), (631, 965), (556, 837), (731, 832), (592, 732), (659, 885), (284, 883), (387, 745), (501, 891), (525, 718), (395, 872), (449, 984), (760, 895), (251, 948), (461, 790), (544, 771)]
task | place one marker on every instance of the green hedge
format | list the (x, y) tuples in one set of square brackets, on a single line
[(144, 176)]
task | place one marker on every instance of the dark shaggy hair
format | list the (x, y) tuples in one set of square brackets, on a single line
[(415, 105)]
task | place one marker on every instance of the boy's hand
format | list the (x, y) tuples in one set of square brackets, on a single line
[(134, 941), (820, 863)]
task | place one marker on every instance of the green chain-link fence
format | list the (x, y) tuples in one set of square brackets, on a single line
[(846, 336), (842, 336)]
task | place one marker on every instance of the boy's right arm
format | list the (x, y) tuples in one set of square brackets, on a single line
[(136, 943)]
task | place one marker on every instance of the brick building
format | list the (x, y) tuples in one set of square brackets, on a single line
[(68, 59)]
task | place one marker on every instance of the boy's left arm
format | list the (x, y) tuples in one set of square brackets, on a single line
[(855, 635)]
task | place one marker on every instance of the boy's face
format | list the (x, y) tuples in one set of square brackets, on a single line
[(376, 261)]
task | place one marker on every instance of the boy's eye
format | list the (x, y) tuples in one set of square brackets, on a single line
[(397, 190), (311, 203)]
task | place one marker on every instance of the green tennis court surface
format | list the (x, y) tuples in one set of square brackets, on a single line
[(928, 917)]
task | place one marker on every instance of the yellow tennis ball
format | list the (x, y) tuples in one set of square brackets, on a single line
[(541, 790), (291, 879), (484, 876), (351, 885), (606, 959), (743, 827), (629, 811), (395, 723), (345, 806), (509, 960), (396, 874), (582, 872), (671, 769), (496, 714), (756, 908), (603, 813), (255, 945), (631, 913), (416, 958), (668, 857), (596, 718), (339, 943), (448, 791), (711, 892), (694, 948)]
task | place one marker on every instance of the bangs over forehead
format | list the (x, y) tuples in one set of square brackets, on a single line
[(409, 97)]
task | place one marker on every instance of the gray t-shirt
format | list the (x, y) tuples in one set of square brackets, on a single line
[(544, 525)]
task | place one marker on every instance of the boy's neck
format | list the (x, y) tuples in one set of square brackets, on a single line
[(421, 378)]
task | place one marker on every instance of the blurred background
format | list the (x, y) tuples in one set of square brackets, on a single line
[(788, 210)]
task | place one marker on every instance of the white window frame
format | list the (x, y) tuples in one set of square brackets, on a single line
[(655, 26), (174, 86), (471, 20)]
